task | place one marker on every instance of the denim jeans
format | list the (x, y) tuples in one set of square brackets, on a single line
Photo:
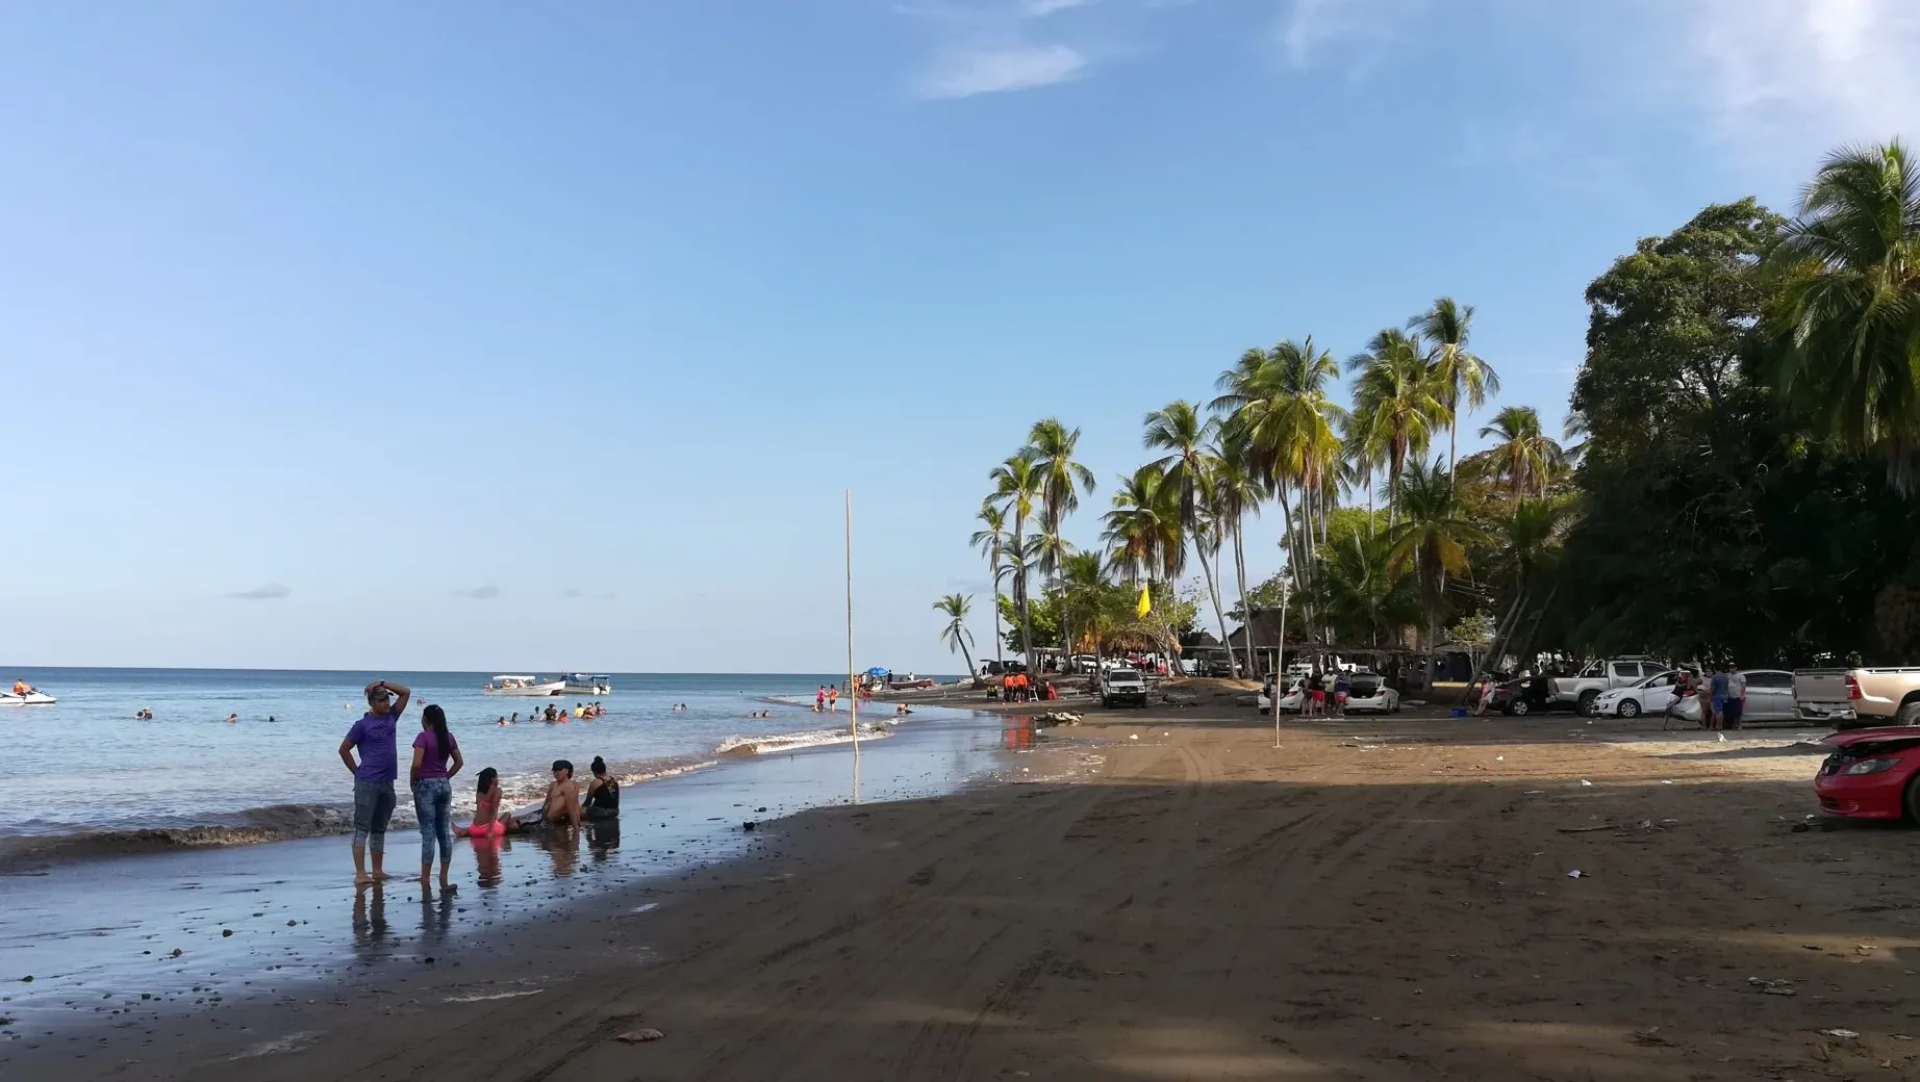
[(433, 803), (372, 810)]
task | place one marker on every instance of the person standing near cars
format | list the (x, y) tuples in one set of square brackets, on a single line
[(1736, 704), (373, 775), (1716, 700)]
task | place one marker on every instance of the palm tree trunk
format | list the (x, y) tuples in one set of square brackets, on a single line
[(1369, 503), (959, 636), (1219, 615), (1020, 590), (1525, 650), (999, 640), (1498, 647), (1453, 434), (1246, 610)]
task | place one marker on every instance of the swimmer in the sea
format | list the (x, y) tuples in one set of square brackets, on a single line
[(233, 719)]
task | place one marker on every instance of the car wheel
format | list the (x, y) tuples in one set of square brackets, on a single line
[(1585, 706), (1909, 714), (1629, 708), (1518, 707)]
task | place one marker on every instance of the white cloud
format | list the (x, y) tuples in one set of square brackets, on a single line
[(1308, 29), (1773, 71), (1040, 9), (964, 72)]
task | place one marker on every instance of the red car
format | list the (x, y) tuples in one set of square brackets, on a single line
[(1872, 774)]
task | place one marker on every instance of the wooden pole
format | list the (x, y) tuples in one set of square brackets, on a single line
[(853, 690)]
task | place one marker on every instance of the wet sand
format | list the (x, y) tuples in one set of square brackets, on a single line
[(1177, 898)]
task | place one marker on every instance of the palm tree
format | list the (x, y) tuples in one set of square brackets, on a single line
[(1235, 492), (956, 607), (1526, 457), (992, 543), (1016, 485), (1051, 445), (1528, 540), (1276, 402), (1849, 311), (1397, 402), (1143, 530), (1362, 592), (1448, 325), (1083, 593), (1179, 430), (1433, 538)]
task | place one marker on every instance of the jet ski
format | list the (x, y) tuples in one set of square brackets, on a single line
[(31, 698)]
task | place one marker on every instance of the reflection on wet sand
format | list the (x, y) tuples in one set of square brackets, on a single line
[(562, 843), (434, 919), (486, 860), (370, 931), (603, 839)]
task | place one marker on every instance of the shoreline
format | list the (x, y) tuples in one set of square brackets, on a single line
[(30, 854), (1171, 902)]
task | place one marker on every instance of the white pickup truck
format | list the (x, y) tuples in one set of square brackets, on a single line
[(1123, 686), (1848, 698), (1601, 676)]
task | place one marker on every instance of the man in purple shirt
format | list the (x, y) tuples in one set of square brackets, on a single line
[(373, 775)]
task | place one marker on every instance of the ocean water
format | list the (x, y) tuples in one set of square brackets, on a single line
[(86, 765)]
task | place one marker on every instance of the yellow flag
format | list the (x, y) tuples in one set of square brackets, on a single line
[(1146, 603)]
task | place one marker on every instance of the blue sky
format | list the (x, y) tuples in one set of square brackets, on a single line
[(492, 336)]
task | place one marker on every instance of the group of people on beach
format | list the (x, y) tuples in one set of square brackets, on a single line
[(826, 700), (1324, 693), (436, 761), (1017, 687), (1722, 694)]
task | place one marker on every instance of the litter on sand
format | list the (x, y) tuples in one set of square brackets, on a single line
[(1577, 874), (1843, 1034), (1781, 987), (639, 1036), (1584, 781)]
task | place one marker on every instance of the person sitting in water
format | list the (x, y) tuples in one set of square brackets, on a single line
[(901, 711), (603, 793), (514, 719), (562, 804), (487, 820), (233, 719)]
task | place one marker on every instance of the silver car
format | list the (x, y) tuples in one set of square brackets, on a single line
[(1769, 698)]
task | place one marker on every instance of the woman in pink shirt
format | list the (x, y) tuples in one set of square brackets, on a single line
[(436, 759)]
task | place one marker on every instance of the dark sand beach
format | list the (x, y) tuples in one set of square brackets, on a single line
[(1174, 898)]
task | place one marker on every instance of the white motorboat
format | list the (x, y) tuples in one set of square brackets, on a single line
[(31, 698), (581, 683), (531, 686)]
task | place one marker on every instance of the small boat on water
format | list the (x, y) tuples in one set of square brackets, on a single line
[(530, 686), (581, 683), (31, 698)]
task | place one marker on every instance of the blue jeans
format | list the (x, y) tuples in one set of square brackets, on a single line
[(372, 811), (433, 803)]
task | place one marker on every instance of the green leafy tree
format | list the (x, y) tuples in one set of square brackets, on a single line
[(1143, 530), (1189, 466)]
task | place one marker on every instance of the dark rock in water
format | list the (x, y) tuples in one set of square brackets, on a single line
[(748, 825), (226, 933), (760, 810)]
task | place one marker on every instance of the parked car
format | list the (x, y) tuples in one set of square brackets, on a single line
[(1368, 693), (1527, 695), (1123, 686), (1769, 698), (1874, 696), (1287, 702), (1872, 774), (1650, 696), (1580, 691)]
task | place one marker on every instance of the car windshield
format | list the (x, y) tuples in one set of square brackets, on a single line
[(1656, 680)]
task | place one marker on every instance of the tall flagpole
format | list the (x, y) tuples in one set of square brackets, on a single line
[(853, 690)]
